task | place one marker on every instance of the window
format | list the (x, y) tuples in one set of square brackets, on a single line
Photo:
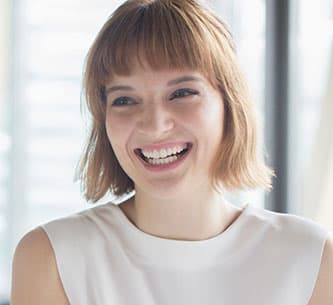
[(311, 80), (246, 21)]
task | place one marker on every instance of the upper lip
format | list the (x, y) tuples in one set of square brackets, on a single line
[(162, 145)]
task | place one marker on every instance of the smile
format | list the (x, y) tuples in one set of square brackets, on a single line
[(164, 160)]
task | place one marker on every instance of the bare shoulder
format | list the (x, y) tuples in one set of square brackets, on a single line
[(323, 292), (35, 277)]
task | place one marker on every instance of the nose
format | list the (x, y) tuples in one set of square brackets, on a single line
[(155, 121)]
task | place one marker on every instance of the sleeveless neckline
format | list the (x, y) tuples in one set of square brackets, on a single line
[(240, 266), (156, 250)]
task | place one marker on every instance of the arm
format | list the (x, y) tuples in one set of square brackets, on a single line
[(35, 278), (323, 291)]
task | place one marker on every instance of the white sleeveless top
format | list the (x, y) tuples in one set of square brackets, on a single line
[(263, 258)]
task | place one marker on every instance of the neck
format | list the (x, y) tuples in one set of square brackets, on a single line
[(197, 216)]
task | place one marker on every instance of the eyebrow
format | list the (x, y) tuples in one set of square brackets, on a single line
[(186, 78), (176, 81), (118, 88)]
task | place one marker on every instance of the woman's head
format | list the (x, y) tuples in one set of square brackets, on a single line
[(169, 35)]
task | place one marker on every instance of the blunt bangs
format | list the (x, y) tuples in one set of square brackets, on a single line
[(162, 34)]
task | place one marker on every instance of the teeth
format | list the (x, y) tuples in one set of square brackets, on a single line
[(163, 152), (162, 161)]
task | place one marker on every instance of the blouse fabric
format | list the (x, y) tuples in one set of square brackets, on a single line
[(262, 258)]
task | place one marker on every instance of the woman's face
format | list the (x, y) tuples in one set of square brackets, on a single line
[(164, 110)]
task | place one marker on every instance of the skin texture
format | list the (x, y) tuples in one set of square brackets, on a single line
[(179, 203), (35, 278)]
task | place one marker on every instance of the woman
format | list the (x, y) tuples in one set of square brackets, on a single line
[(171, 121)]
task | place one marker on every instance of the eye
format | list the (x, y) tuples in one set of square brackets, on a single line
[(121, 101), (183, 93)]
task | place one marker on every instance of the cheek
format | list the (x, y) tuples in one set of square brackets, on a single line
[(193, 112), (118, 130), (215, 111), (209, 116)]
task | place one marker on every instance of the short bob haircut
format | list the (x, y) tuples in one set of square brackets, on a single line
[(170, 34)]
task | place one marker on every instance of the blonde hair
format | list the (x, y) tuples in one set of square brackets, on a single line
[(170, 34)]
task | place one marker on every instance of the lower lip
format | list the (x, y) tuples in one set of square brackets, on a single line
[(165, 167)]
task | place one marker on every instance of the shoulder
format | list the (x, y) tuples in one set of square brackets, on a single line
[(83, 220), (323, 292), (289, 229), (35, 278), (313, 243), (290, 225)]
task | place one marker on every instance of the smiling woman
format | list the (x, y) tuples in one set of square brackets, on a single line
[(176, 110), (170, 35), (172, 120)]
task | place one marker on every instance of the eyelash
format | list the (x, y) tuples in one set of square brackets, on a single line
[(180, 93), (120, 99)]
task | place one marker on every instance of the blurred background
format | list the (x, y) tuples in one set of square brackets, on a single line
[(286, 52)]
